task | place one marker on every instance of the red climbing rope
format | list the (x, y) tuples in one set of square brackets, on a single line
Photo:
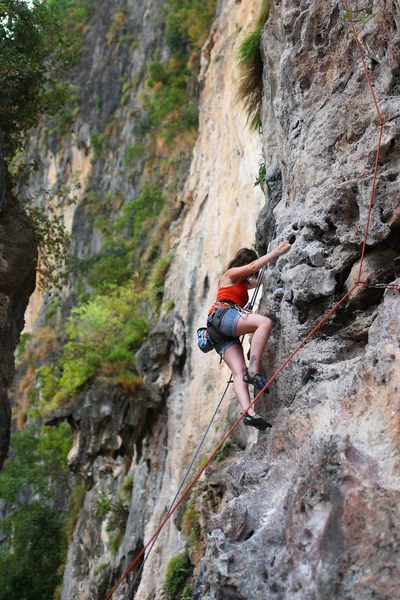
[(321, 322)]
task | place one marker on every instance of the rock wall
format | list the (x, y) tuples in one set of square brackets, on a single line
[(150, 434), (312, 508), (308, 510), (18, 255)]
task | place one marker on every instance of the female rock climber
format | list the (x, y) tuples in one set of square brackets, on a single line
[(227, 321)]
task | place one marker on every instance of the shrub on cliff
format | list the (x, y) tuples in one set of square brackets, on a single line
[(251, 70), (171, 109), (177, 575), (103, 335)]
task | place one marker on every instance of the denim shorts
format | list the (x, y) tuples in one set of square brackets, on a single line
[(223, 334)]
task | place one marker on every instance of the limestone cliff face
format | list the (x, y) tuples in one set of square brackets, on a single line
[(312, 508), (220, 208), (151, 434), (308, 510)]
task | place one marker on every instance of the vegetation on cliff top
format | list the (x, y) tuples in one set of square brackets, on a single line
[(169, 108)]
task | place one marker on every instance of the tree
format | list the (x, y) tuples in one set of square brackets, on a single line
[(34, 50)]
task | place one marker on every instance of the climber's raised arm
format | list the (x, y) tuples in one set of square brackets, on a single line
[(236, 274)]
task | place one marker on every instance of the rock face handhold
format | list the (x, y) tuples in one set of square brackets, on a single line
[(308, 283), (378, 267), (233, 521)]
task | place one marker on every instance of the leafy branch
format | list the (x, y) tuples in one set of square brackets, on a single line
[(53, 241)]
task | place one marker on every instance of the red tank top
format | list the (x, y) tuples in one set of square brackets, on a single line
[(235, 293)]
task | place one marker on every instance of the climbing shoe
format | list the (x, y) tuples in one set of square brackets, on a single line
[(258, 422), (257, 380)]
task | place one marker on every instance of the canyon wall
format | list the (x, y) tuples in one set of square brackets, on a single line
[(309, 509), (312, 508)]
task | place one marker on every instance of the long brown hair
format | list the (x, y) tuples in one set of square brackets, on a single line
[(244, 256)]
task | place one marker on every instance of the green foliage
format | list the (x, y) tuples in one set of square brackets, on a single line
[(33, 51), (62, 121), (190, 526), (73, 13), (178, 571), (37, 535), (262, 173), (124, 98), (112, 266), (118, 515), (169, 96), (158, 276), (187, 27), (188, 24), (22, 345), (103, 505), (250, 71), (118, 28), (127, 486), (170, 305), (76, 500), (98, 570), (115, 542), (29, 564), (98, 142), (142, 125), (157, 73), (139, 214), (132, 153), (39, 460), (194, 535), (188, 519), (187, 592), (103, 335), (361, 15), (223, 451), (117, 511), (52, 239), (188, 119)]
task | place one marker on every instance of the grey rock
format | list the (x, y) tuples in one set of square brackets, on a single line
[(265, 225), (308, 283)]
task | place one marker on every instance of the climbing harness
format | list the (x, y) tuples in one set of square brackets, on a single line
[(175, 505), (228, 304)]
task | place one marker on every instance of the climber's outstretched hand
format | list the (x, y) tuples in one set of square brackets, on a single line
[(282, 247)]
